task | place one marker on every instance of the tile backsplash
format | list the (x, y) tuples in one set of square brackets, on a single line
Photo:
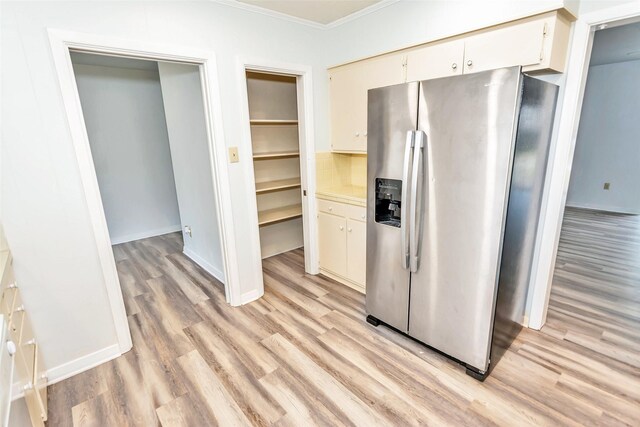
[(335, 170)]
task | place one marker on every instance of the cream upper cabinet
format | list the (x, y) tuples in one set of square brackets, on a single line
[(435, 60), (537, 43), (345, 97), (348, 86), (534, 43)]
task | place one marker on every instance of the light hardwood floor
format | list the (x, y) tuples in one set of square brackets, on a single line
[(303, 354)]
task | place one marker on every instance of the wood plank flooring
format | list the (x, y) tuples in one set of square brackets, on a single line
[(303, 355)]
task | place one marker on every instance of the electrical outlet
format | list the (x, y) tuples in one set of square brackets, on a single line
[(233, 155), (607, 185), (187, 230)]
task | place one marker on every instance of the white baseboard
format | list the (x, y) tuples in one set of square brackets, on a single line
[(212, 270), (145, 234), (253, 295), (74, 367)]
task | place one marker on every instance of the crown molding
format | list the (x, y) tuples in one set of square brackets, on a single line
[(272, 13)]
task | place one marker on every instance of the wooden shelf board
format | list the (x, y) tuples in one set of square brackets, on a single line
[(259, 122), (280, 184), (284, 213), (275, 155)]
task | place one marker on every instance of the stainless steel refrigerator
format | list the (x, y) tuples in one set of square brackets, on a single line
[(456, 169)]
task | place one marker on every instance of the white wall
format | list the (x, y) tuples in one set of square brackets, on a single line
[(186, 123), (43, 207), (608, 143), (125, 120)]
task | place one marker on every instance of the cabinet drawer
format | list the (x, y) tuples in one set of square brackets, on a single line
[(334, 208), (33, 381), (359, 213), (7, 272), (8, 300), (15, 326), (25, 359)]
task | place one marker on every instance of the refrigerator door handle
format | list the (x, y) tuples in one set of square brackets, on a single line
[(406, 204), (415, 223)]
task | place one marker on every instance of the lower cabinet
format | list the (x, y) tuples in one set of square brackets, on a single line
[(333, 246), (356, 251), (342, 233), (29, 371)]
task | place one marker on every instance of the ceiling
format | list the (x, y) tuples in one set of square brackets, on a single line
[(617, 44), (322, 12)]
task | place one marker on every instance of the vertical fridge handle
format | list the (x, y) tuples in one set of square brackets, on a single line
[(404, 223), (415, 210)]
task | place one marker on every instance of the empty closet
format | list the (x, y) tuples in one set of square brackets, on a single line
[(273, 113), (147, 130)]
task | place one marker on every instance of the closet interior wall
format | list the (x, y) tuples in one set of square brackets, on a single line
[(124, 116), (273, 113)]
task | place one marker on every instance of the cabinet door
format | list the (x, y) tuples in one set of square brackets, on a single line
[(357, 251), (345, 99), (333, 243), (437, 60), (378, 72), (516, 44), (348, 86)]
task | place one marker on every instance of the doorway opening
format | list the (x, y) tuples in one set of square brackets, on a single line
[(147, 131), (174, 59), (595, 292), (279, 136), (273, 116)]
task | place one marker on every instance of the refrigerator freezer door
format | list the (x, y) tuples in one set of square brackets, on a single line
[(525, 200), (392, 116), (470, 123)]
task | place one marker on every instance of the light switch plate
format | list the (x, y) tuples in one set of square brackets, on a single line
[(233, 155)]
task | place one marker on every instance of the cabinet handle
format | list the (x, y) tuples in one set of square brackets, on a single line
[(362, 216), (330, 208), (357, 133), (349, 229), (469, 63), (365, 134), (454, 66), (341, 228)]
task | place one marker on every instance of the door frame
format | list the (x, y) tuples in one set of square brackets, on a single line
[(304, 89), (552, 216), (62, 42)]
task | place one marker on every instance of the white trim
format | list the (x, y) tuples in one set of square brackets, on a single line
[(302, 21), (61, 43), (562, 155), (307, 154), (74, 367), (252, 295), (206, 266), (146, 234)]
